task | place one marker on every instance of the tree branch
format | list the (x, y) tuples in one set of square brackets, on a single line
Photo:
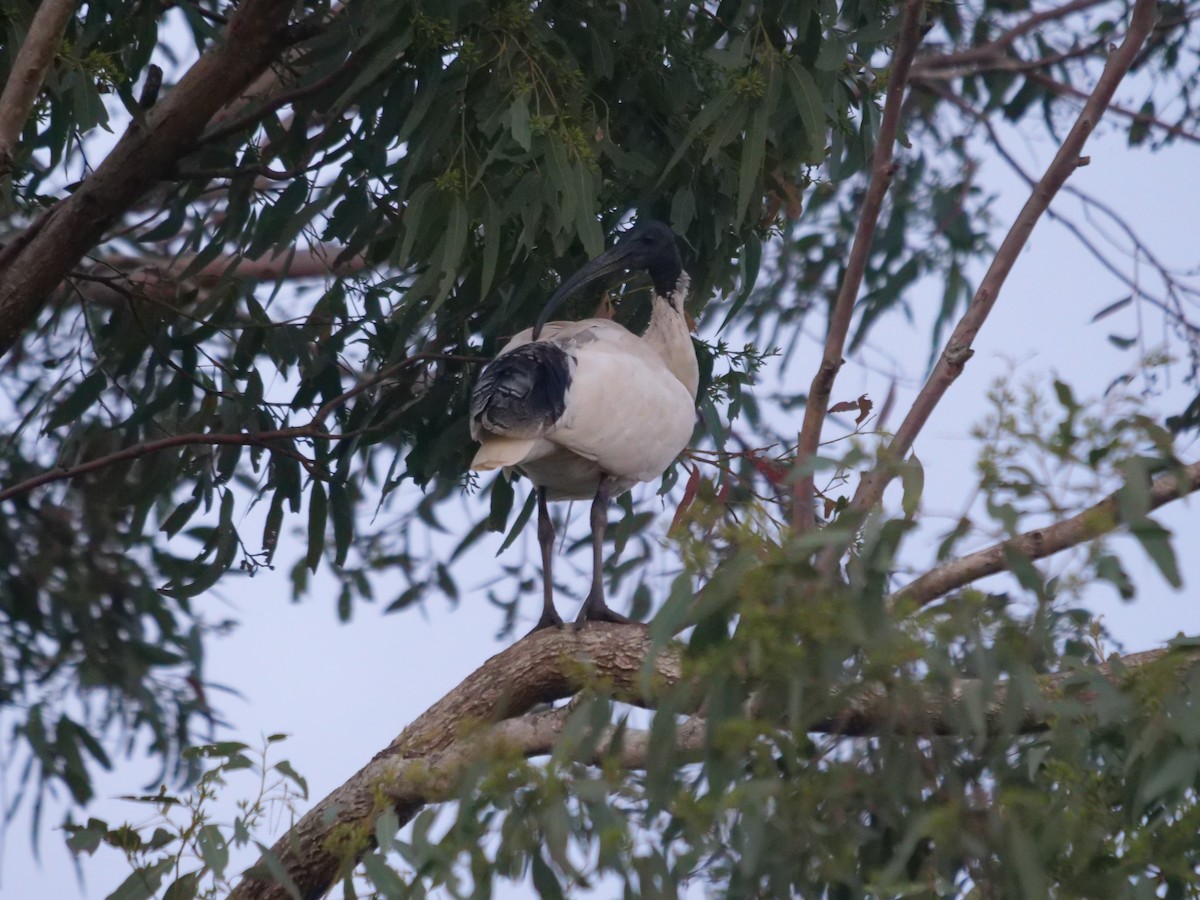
[(29, 71), (958, 348), (420, 765), (1172, 304), (993, 50), (314, 430), (314, 262), (1037, 20), (269, 92), (1000, 62), (537, 734), (1176, 130), (882, 171), (485, 714), (273, 97), (146, 153), (1098, 519), (137, 451)]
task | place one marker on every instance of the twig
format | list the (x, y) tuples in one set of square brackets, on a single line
[(371, 380), (314, 430), (993, 50), (1174, 286), (151, 87), (1176, 130), (935, 70), (29, 71), (882, 171), (233, 123), (63, 473), (1098, 519), (208, 14), (1032, 22), (958, 348)]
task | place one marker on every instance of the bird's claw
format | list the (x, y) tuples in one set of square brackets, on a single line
[(596, 610), (550, 619)]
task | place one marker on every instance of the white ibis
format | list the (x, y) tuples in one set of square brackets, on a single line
[(588, 409)]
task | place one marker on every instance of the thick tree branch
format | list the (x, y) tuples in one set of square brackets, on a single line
[(537, 734), (420, 764), (29, 71), (486, 714), (1101, 518), (115, 280), (37, 261), (958, 348), (882, 171)]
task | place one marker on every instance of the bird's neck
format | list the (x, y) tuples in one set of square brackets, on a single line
[(669, 335)]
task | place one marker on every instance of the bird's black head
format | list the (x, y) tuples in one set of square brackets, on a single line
[(649, 246)]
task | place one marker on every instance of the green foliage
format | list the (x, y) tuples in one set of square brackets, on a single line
[(1046, 460), (183, 851)]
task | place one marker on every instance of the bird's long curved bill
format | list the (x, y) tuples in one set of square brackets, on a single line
[(614, 259)]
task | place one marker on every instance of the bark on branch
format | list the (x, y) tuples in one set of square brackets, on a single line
[(29, 71), (1098, 519), (34, 263), (486, 713), (958, 348), (875, 709)]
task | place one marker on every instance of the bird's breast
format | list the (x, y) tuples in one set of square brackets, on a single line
[(625, 412)]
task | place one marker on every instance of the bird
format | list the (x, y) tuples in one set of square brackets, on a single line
[(588, 409)]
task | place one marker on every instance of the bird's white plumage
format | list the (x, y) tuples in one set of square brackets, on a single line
[(629, 409)]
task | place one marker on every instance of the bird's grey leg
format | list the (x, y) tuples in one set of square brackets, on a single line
[(594, 607), (545, 533)]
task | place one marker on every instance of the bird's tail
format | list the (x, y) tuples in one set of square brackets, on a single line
[(498, 452)]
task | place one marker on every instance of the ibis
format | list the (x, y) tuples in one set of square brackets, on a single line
[(588, 409)]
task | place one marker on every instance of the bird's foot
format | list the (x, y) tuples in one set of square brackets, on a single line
[(550, 619), (596, 610)]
